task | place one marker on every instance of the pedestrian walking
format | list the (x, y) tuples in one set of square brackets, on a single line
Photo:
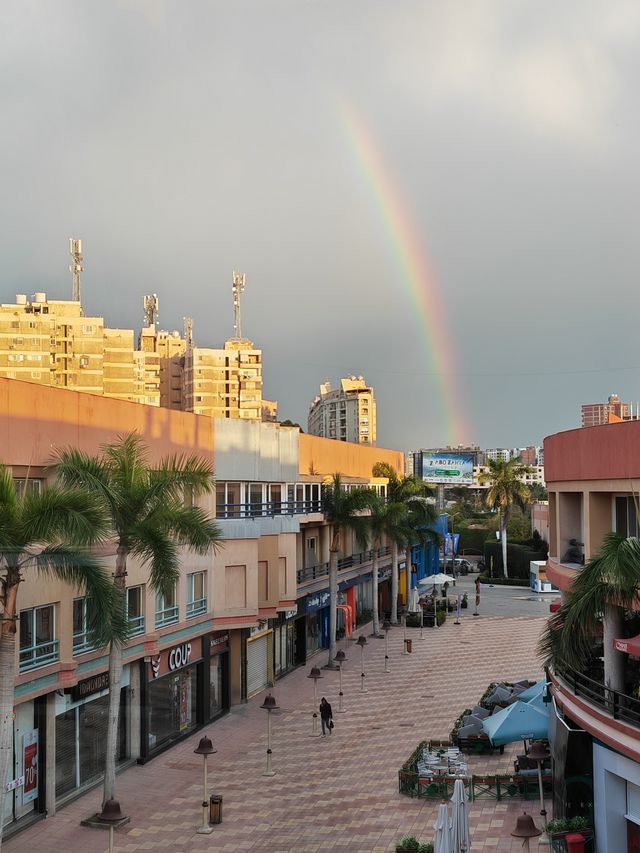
[(326, 716)]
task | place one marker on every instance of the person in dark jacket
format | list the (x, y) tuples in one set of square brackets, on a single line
[(326, 716)]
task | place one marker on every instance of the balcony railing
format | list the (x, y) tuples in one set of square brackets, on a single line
[(268, 509), (198, 605), (322, 569), (81, 642), (136, 625), (167, 616), (618, 705), (39, 654)]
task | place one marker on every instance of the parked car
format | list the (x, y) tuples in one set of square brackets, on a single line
[(462, 566)]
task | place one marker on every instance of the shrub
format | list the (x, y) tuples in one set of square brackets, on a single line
[(441, 617), (559, 824), (500, 581), (518, 556), (409, 842)]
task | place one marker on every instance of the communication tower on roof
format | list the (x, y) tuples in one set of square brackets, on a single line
[(237, 287), (188, 331), (151, 303), (75, 250)]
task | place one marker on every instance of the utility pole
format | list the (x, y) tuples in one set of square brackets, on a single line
[(237, 288)]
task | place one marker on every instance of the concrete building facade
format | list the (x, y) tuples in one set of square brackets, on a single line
[(594, 414), (347, 413)]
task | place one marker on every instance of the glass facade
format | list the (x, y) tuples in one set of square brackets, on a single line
[(171, 706)]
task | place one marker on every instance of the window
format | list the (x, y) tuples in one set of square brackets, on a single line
[(196, 594), (38, 645), (626, 516), (22, 484), (255, 499), (275, 498), (81, 642), (135, 611), (166, 608)]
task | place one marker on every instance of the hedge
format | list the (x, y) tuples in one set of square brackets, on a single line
[(518, 557), (502, 581)]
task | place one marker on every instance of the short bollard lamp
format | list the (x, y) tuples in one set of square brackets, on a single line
[(405, 650), (526, 828), (340, 658), (205, 749), (386, 627), (269, 705), (539, 753), (362, 642), (315, 674), (111, 814)]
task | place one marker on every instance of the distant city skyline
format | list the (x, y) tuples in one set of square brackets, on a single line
[(442, 203)]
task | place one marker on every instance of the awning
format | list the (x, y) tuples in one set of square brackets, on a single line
[(631, 646)]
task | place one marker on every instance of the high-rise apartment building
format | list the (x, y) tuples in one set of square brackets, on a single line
[(594, 414), (347, 413)]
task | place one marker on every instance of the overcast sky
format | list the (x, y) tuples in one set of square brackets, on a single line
[(183, 140)]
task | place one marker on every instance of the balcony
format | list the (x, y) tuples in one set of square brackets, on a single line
[(617, 705), (81, 642), (195, 607), (39, 654), (270, 509), (321, 570), (167, 616), (136, 625)]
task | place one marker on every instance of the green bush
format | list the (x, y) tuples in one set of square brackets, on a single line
[(441, 616), (409, 842), (518, 557), (500, 581), (472, 540), (559, 824)]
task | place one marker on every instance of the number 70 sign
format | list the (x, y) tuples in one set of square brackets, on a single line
[(30, 765)]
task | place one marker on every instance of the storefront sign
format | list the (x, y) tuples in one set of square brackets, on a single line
[(15, 783), (317, 601), (30, 766), (172, 659), (89, 686), (219, 640)]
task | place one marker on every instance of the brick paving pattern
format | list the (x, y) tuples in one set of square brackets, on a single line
[(338, 793)]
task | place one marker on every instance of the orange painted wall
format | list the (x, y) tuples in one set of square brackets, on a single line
[(36, 419), (325, 456)]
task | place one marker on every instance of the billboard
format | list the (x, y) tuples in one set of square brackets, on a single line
[(452, 469)]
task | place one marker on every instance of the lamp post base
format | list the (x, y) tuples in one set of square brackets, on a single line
[(204, 830)]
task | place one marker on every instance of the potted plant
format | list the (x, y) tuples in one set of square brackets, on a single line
[(410, 844), (560, 827)]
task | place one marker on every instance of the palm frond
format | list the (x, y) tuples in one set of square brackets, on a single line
[(160, 554), (192, 527), (62, 513)]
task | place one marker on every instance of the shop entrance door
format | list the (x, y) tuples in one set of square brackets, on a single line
[(300, 646)]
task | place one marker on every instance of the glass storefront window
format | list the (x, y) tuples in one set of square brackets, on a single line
[(216, 696), (313, 632), (171, 706)]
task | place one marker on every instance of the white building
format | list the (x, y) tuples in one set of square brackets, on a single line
[(346, 414)]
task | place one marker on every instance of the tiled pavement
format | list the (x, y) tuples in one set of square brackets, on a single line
[(338, 793)]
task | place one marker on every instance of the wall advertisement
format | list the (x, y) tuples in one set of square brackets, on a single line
[(452, 469)]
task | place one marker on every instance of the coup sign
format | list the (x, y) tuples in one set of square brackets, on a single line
[(179, 656)]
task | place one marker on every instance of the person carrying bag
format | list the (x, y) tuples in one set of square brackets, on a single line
[(326, 716)]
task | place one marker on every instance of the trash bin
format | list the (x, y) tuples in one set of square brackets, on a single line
[(215, 808), (408, 645), (575, 842)]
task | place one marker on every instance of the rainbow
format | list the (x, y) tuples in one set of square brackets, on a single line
[(406, 246)]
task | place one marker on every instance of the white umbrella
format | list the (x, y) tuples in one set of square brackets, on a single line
[(460, 825), (442, 827), (438, 579)]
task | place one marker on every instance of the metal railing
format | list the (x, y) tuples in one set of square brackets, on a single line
[(81, 642), (167, 616), (618, 705), (321, 570), (38, 654), (197, 606), (136, 625), (268, 509)]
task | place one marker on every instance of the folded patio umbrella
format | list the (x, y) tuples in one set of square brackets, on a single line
[(532, 691), (539, 703), (460, 839), (442, 843), (414, 601), (515, 722)]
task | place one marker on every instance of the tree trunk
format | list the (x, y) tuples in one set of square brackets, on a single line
[(613, 659), (115, 679), (503, 541), (333, 596), (7, 680), (394, 583), (374, 578)]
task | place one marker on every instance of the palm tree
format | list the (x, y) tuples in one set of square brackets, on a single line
[(47, 533), (399, 490), (421, 517), (343, 510), (505, 489), (386, 521), (147, 519), (606, 587)]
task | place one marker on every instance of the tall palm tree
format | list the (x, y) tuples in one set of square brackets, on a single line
[(607, 586), (386, 521), (147, 519), (46, 533), (343, 510), (421, 518), (505, 489), (399, 490)]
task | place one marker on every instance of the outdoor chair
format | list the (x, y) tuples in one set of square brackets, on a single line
[(479, 711)]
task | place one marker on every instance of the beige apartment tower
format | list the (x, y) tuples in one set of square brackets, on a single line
[(594, 414), (346, 414)]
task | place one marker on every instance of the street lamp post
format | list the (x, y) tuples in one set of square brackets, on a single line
[(269, 705), (539, 754), (404, 634), (340, 658), (205, 749), (386, 627), (362, 642), (525, 828), (111, 814), (315, 674), (421, 619)]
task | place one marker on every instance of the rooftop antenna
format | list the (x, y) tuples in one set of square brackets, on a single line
[(75, 250), (188, 331), (237, 287), (151, 303)]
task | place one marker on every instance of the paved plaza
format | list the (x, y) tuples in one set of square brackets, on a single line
[(338, 793)]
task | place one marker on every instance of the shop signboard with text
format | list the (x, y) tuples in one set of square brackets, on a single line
[(175, 658), (30, 766)]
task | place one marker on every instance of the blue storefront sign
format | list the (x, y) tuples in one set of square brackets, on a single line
[(317, 601)]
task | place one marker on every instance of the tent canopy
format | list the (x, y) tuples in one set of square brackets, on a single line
[(532, 691), (515, 722)]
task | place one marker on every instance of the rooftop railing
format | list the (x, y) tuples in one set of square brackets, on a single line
[(268, 509)]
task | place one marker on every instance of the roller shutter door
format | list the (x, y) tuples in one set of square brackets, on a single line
[(257, 664)]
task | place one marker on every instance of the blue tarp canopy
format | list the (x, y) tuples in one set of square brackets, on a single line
[(516, 722), (532, 691)]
